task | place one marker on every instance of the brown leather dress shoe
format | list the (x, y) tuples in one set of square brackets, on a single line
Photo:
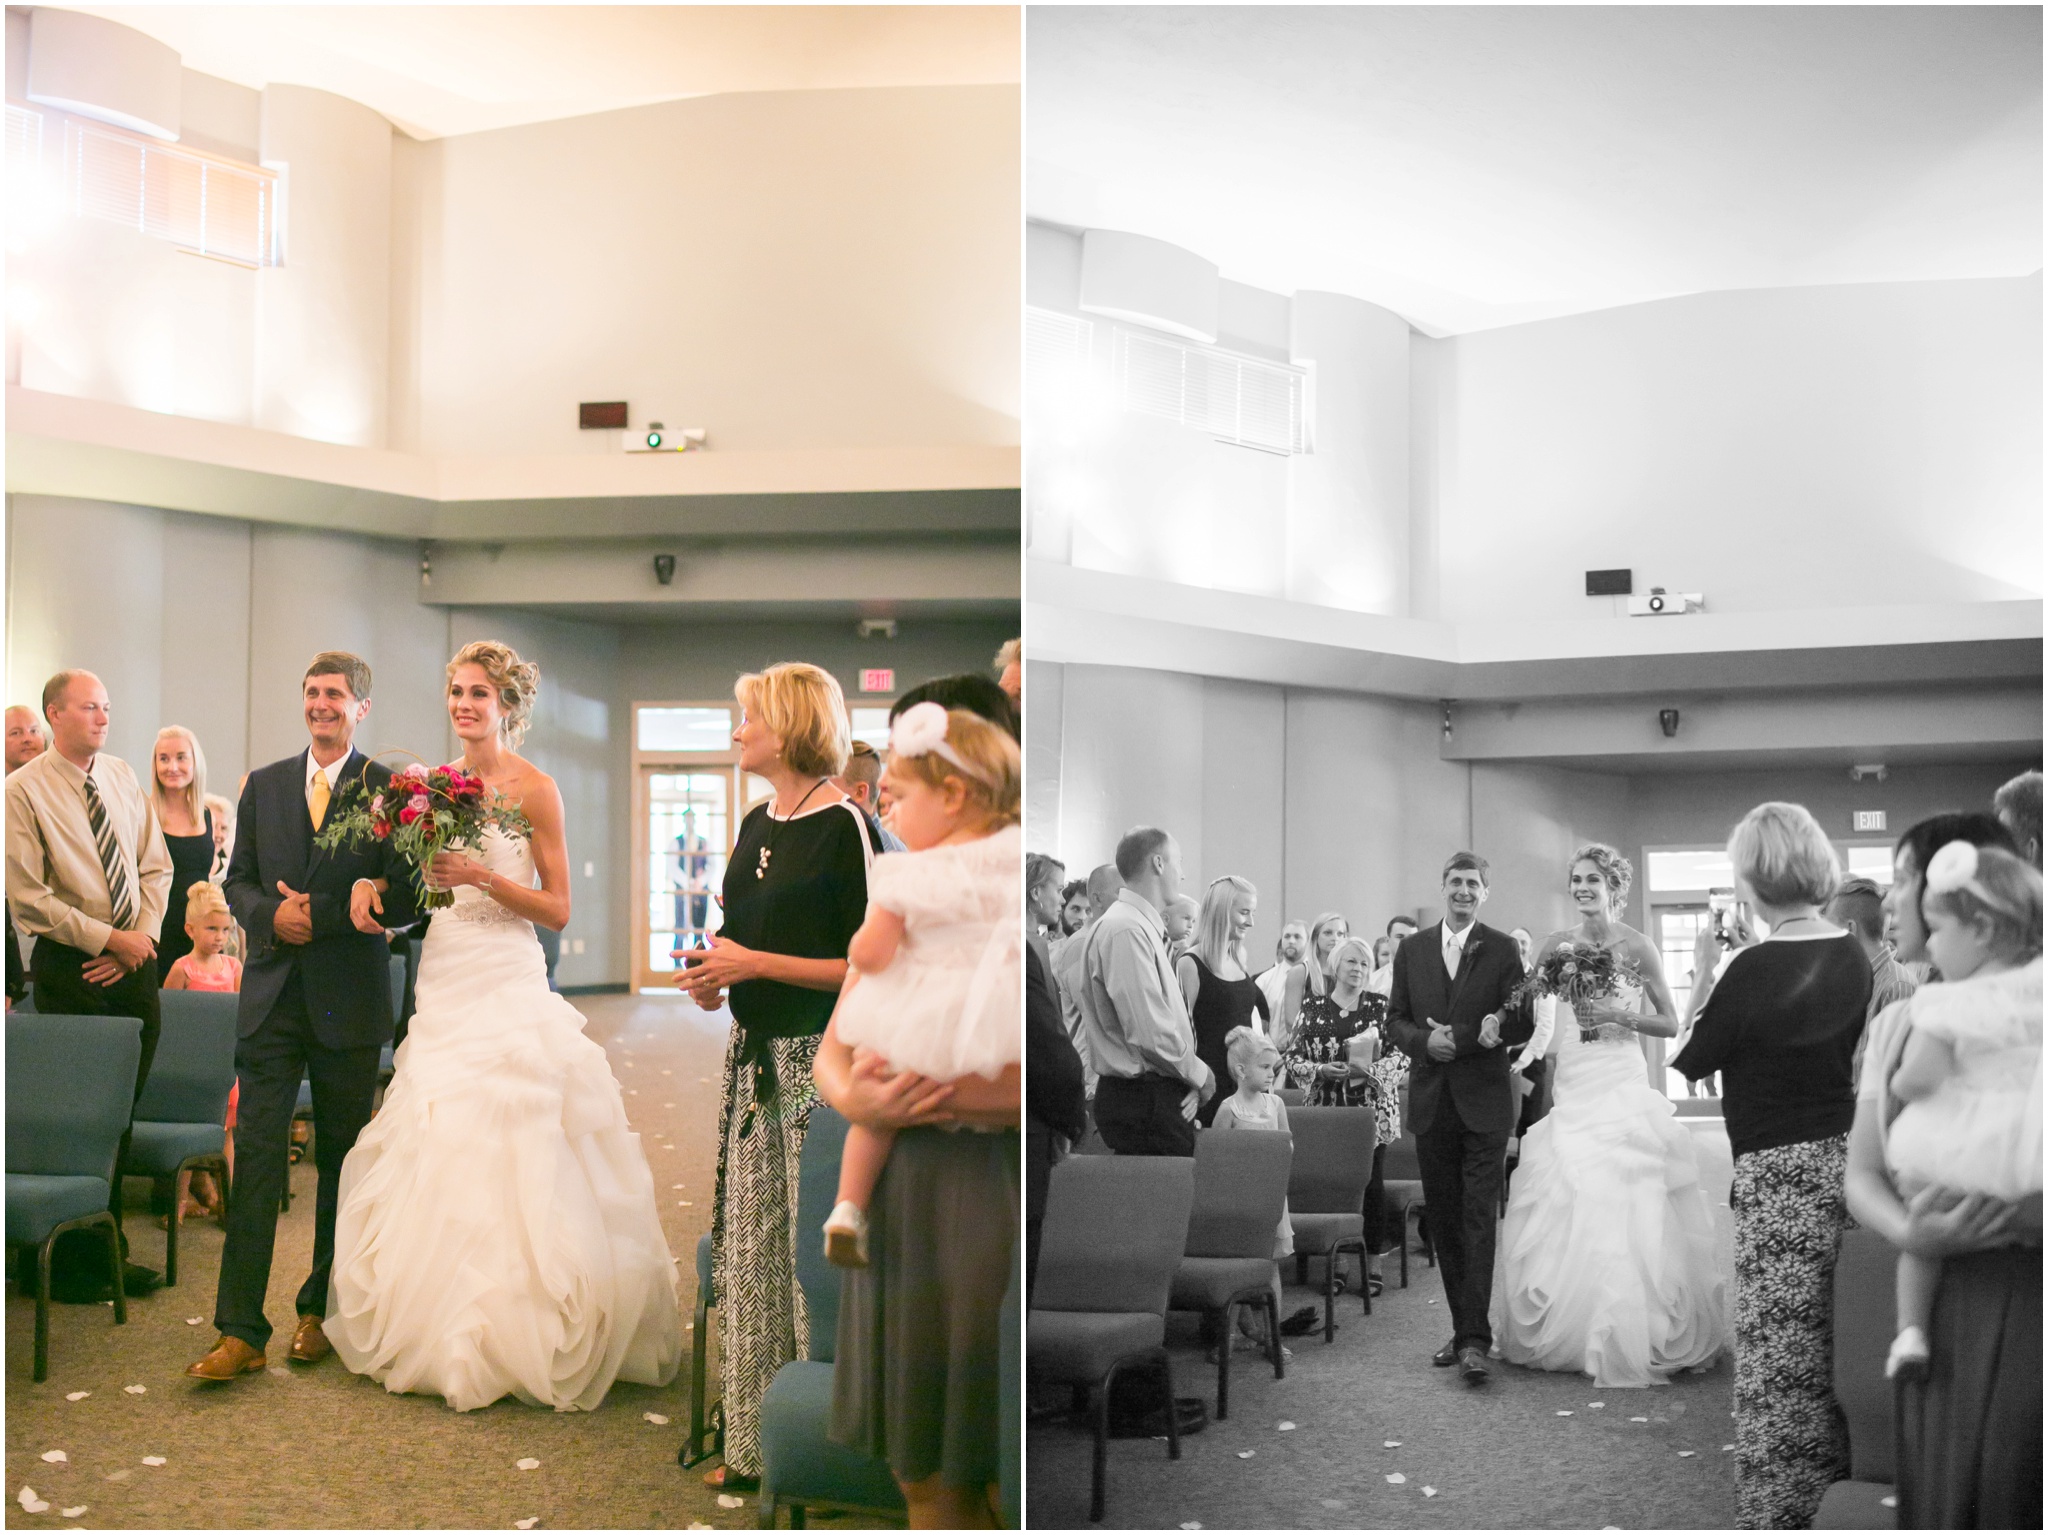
[(309, 1343), (230, 1357)]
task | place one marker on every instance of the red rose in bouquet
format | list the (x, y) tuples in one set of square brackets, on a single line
[(420, 812)]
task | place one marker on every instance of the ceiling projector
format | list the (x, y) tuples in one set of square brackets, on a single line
[(655, 438), (1662, 604)]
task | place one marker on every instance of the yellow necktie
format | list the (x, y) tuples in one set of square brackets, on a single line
[(316, 797)]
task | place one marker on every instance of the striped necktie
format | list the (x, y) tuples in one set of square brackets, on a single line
[(110, 857)]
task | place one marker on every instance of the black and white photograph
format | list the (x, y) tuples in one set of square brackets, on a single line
[(1533, 801), (513, 778)]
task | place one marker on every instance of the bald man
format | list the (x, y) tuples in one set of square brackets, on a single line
[(25, 738)]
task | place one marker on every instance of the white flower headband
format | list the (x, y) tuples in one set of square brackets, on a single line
[(1954, 868), (921, 729)]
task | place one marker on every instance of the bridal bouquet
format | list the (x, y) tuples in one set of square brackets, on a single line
[(1580, 973), (420, 812)]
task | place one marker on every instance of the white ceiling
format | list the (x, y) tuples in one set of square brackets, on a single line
[(439, 70), (1471, 167)]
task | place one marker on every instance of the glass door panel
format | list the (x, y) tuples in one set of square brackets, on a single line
[(689, 834), (1677, 929)]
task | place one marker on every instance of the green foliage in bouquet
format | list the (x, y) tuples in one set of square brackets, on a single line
[(420, 812), (1577, 974)]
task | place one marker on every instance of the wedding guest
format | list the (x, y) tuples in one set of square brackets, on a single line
[(1331, 1049), (794, 895), (1311, 977), (25, 738), (87, 877), (1043, 877), (1968, 1436), (1286, 955), (1055, 1105), (1073, 907), (862, 783), (207, 966), (966, 690), (1216, 983), (1010, 672), (1104, 883), (1858, 908), (1779, 1020), (178, 794), (1139, 1036), (1181, 915), (1398, 930), (2017, 804), (221, 812), (1525, 944)]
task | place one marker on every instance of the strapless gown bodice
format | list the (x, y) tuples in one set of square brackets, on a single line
[(497, 1232), (1609, 1260)]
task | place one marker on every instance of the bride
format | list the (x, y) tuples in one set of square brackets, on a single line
[(1608, 1255), (497, 1232)]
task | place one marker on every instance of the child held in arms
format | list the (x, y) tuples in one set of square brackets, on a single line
[(209, 967), (1970, 1074), (938, 963)]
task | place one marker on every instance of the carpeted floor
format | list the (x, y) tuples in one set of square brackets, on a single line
[(316, 1447), (1497, 1457)]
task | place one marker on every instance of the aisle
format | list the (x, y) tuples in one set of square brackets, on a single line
[(318, 1447), (1499, 1457)]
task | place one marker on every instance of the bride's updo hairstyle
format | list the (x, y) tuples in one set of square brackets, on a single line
[(517, 682), (1616, 872)]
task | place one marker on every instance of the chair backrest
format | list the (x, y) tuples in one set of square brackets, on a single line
[(817, 1192), (193, 1069), (70, 1084), (1401, 1164), (1115, 1229), (1332, 1160), (1865, 1319), (1293, 1097), (1240, 1191)]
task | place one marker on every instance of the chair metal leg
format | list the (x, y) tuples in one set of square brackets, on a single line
[(1095, 1500), (1173, 1413), (171, 1229), (1274, 1345), (114, 1271), (1224, 1343), (43, 1307), (764, 1512), (1330, 1297), (798, 1518), (695, 1449)]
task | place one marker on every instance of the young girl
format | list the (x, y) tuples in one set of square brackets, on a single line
[(209, 925), (1255, 1063), (1970, 1074), (938, 964)]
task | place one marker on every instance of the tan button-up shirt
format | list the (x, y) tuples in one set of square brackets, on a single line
[(1132, 1012), (55, 881)]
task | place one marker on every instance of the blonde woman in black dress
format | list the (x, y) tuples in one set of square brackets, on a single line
[(1216, 981)]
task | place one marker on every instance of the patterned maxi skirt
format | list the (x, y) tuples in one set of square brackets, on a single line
[(1791, 1440), (762, 1321)]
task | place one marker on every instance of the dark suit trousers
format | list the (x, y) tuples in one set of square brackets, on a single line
[(270, 1063), (1141, 1117), (60, 987), (1462, 1171)]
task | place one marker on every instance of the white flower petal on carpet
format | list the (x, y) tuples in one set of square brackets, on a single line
[(194, 1321), (527, 1464), (55, 1457), (526, 1524), (654, 1417), (1429, 1492), (136, 1390), (1284, 1426), (154, 1460), (1246, 1454), (76, 1396), (30, 1501), (727, 1500), (72, 1513), (1396, 1479), (1393, 1444)]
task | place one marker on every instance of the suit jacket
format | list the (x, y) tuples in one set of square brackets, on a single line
[(1054, 1080), (1476, 1078), (345, 974)]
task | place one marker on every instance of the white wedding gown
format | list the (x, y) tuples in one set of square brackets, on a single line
[(1609, 1261), (497, 1232)]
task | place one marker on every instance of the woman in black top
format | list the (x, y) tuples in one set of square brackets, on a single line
[(1217, 983), (1780, 1023), (178, 770), (795, 891), (1968, 1441)]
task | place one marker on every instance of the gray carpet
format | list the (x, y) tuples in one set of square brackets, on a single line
[(1498, 1457), (316, 1447)]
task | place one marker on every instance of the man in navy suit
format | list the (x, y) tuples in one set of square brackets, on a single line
[(315, 1002), (1449, 1011)]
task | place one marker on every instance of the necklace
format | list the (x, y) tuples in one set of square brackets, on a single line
[(768, 842)]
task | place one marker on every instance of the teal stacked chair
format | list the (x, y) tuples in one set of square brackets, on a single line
[(801, 1469), (1865, 1319), (1115, 1231), (1326, 1194), (70, 1086), (1227, 1260), (181, 1117), (706, 1435)]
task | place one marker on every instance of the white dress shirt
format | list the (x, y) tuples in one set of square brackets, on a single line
[(1454, 947)]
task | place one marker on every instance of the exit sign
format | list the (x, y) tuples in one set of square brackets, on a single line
[(1869, 820), (878, 679)]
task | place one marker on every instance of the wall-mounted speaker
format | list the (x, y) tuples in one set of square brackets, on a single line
[(1610, 583)]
